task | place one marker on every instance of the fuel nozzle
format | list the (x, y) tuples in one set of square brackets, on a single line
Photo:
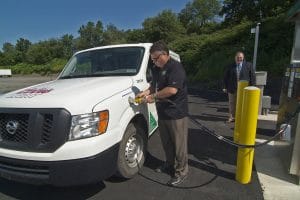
[(136, 100)]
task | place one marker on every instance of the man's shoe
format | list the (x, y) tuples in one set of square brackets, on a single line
[(164, 168), (176, 180)]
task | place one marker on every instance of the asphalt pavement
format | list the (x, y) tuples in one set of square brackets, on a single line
[(212, 166)]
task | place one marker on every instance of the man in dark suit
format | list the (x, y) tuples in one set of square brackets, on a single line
[(239, 70)]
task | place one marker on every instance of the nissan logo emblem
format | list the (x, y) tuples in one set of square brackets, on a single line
[(11, 127)]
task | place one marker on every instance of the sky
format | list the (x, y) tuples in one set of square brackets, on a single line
[(38, 20)]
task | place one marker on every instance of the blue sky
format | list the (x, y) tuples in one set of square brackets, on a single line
[(37, 20)]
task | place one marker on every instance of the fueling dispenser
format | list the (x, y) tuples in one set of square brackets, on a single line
[(290, 99)]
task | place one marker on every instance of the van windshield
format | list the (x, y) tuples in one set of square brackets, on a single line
[(119, 61)]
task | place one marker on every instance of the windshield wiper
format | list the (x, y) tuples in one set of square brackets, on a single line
[(72, 76)]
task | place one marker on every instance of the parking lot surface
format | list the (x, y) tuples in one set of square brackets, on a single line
[(212, 163)]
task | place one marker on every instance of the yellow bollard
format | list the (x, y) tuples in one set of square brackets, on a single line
[(238, 111), (247, 134)]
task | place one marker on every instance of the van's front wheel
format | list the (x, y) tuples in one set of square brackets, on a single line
[(132, 151)]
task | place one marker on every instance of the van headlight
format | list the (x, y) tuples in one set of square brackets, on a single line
[(88, 125)]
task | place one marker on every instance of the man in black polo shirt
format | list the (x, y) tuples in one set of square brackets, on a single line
[(169, 83)]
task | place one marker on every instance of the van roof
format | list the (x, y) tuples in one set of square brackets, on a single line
[(147, 45)]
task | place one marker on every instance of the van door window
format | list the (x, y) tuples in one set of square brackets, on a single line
[(149, 72)]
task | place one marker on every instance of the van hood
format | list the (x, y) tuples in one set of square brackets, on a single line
[(77, 95)]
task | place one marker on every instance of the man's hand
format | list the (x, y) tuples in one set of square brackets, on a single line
[(143, 94), (145, 97), (150, 98)]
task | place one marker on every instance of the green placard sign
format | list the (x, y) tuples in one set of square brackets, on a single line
[(152, 122)]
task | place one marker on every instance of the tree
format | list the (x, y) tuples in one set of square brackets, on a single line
[(67, 45), (135, 36), (91, 35), (254, 10), (39, 53), (198, 13), (8, 47), (55, 47), (166, 26), (112, 35), (22, 47), (9, 54), (237, 10), (269, 8), (2, 58)]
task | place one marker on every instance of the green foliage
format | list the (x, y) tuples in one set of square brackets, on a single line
[(38, 54), (8, 56), (135, 36), (52, 67), (205, 56), (23, 45), (254, 10), (274, 51), (91, 35), (271, 8), (198, 13), (195, 49), (113, 35), (57, 64), (44, 51), (236, 11), (166, 26), (67, 45), (206, 47)]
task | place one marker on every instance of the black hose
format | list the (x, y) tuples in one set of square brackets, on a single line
[(222, 138), (219, 137)]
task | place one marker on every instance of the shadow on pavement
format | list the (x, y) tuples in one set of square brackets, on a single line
[(202, 145), (31, 192), (206, 165), (210, 95), (205, 149), (209, 117)]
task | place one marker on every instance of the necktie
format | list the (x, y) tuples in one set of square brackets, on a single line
[(238, 70)]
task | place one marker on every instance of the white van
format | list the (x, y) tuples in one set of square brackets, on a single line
[(80, 128)]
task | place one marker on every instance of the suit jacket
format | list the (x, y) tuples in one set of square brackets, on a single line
[(230, 76)]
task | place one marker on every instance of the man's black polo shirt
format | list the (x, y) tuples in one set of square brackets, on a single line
[(171, 75)]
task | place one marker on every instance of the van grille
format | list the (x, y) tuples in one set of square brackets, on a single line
[(21, 133), (34, 129), (47, 127)]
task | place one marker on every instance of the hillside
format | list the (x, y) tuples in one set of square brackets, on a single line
[(206, 55)]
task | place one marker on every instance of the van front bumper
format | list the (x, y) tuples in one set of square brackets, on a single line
[(61, 173)]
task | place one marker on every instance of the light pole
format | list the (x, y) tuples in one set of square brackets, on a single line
[(256, 31)]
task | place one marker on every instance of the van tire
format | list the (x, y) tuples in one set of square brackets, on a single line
[(133, 149)]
